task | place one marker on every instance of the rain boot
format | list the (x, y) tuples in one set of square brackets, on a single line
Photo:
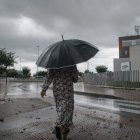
[(64, 135), (58, 132)]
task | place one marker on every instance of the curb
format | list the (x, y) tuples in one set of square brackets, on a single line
[(113, 87), (98, 95)]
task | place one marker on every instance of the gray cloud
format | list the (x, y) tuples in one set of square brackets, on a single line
[(26, 24)]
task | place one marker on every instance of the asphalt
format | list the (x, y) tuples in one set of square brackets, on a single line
[(108, 92), (33, 118)]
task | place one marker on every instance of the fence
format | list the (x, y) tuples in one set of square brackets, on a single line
[(130, 79)]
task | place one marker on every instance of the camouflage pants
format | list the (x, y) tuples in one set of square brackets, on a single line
[(64, 107)]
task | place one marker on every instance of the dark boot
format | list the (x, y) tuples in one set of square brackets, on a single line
[(58, 132), (64, 135)]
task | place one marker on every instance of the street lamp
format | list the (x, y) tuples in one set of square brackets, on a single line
[(38, 57), (15, 59), (37, 74), (87, 65), (20, 63), (38, 50)]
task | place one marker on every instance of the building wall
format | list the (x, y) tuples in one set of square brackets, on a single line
[(129, 57), (125, 43), (129, 51), (135, 57), (118, 61), (124, 52)]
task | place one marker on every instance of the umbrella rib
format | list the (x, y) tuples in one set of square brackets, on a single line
[(59, 53), (52, 53), (79, 54), (70, 53), (42, 54)]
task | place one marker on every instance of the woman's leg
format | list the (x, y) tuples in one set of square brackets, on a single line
[(64, 107)]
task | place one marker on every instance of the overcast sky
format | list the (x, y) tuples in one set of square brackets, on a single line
[(25, 24)]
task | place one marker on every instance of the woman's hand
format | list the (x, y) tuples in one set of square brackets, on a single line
[(43, 93)]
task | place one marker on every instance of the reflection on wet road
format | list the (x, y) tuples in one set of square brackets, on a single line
[(21, 90), (32, 89), (108, 105), (90, 102)]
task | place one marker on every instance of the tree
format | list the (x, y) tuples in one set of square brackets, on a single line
[(80, 74), (7, 59), (41, 73), (20, 73), (12, 73), (2, 70), (26, 72), (101, 68), (87, 71)]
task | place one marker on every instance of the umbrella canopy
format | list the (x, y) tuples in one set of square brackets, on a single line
[(66, 53)]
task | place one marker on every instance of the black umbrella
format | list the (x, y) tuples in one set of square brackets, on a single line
[(66, 53)]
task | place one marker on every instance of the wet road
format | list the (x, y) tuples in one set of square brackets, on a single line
[(33, 119), (32, 89)]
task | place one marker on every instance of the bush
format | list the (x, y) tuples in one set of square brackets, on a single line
[(101, 69)]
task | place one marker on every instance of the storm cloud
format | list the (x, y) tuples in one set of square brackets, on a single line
[(30, 23)]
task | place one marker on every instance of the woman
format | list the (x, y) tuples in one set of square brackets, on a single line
[(63, 80)]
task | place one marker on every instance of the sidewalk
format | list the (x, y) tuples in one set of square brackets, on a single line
[(105, 92), (32, 119)]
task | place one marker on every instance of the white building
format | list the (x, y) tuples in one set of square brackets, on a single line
[(129, 56)]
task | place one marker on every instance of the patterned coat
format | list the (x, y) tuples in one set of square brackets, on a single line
[(63, 80)]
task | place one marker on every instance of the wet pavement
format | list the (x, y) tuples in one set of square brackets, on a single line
[(127, 94), (107, 101), (32, 89), (24, 115), (116, 106), (20, 90), (89, 124)]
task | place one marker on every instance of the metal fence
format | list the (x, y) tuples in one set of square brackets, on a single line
[(130, 79)]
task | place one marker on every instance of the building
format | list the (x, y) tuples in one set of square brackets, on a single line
[(129, 55)]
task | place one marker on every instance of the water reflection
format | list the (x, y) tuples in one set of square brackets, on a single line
[(132, 95), (25, 89), (93, 102), (79, 87), (32, 89)]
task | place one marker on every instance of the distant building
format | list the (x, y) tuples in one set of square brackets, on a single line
[(129, 55)]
